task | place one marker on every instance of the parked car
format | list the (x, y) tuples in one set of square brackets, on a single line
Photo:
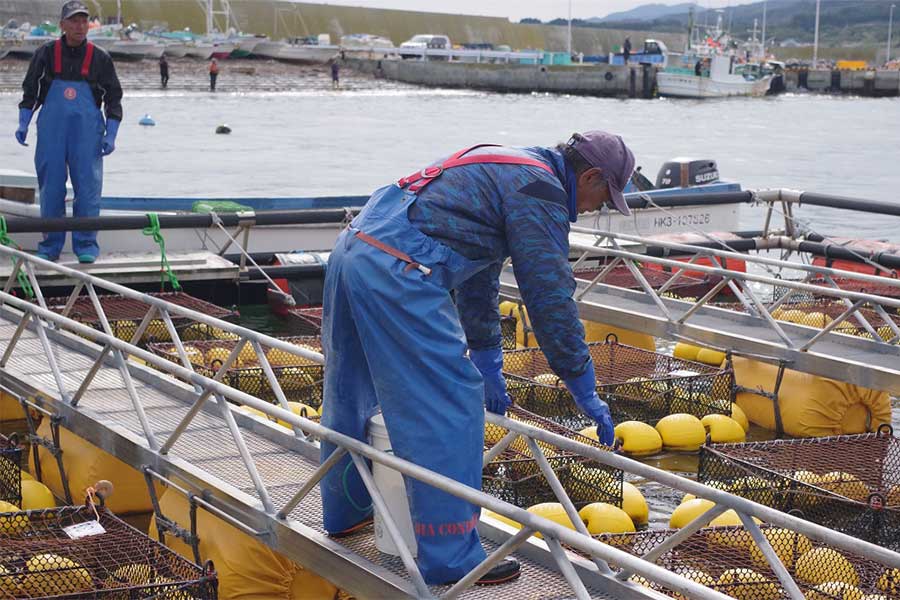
[(424, 41)]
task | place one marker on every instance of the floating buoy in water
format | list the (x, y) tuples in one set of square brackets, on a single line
[(638, 439), (821, 565), (723, 430), (681, 432), (147, 121), (600, 517), (223, 129)]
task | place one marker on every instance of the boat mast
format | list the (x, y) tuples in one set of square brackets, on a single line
[(569, 33), (816, 36), (764, 31)]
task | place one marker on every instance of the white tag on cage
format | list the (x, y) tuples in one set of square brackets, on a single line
[(683, 373), (82, 530)]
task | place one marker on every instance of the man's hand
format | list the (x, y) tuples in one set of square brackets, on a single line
[(584, 390), (108, 145), (24, 119), (490, 365)]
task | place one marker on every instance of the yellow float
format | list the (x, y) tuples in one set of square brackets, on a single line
[(688, 511), (246, 567), (698, 576), (638, 439), (889, 581), (52, 575), (845, 484), (600, 517), (723, 430), (719, 485), (747, 584), (810, 406), (216, 356), (10, 408), (11, 525), (834, 589), (686, 351), (710, 357), (36, 496), (821, 565), (634, 504), (737, 413), (788, 545), (85, 465), (681, 432)]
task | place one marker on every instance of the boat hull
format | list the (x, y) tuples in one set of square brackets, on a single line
[(308, 54), (678, 85)]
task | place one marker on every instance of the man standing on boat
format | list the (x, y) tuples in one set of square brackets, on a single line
[(394, 339), (70, 79)]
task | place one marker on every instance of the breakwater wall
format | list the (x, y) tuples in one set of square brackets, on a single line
[(279, 19), (860, 83), (594, 80)]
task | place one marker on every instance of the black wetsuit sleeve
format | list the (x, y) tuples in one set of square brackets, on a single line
[(110, 87), (31, 86)]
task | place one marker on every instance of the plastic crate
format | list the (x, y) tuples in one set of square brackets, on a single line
[(621, 276), (727, 559), (637, 384), (41, 560), (515, 476), (850, 483), (10, 470), (306, 321), (125, 315), (300, 378)]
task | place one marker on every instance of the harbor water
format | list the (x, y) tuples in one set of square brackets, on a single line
[(348, 142)]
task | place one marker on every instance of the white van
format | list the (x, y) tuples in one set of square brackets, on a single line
[(425, 40)]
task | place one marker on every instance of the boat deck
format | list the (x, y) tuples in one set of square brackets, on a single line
[(208, 458)]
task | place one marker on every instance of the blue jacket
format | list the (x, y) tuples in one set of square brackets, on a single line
[(493, 211)]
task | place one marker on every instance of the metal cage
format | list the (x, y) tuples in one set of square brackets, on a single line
[(621, 276), (43, 556), (637, 384), (850, 483), (306, 321), (10, 470)]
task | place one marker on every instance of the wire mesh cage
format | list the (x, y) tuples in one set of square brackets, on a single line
[(637, 384), (10, 470), (850, 483), (621, 276), (728, 560), (300, 378), (820, 312), (42, 555), (515, 476), (306, 321), (508, 332), (125, 315)]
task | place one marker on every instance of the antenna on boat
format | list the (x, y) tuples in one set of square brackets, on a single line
[(816, 36), (764, 30)]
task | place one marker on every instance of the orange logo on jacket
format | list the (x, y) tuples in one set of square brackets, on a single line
[(70, 93)]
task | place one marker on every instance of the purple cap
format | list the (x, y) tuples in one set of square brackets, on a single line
[(72, 8), (609, 153)]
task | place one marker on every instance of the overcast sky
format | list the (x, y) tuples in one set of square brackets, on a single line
[(518, 9)]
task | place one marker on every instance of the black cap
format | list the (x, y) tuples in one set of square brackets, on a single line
[(72, 8)]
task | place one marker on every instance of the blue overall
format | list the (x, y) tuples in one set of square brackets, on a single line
[(70, 130), (392, 338)]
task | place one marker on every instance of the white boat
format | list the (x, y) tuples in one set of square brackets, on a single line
[(176, 49), (222, 48), (244, 45), (137, 49), (308, 53), (721, 79), (200, 49), (268, 48), (30, 43)]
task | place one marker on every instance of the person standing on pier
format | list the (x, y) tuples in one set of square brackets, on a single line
[(394, 339), (335, 74), (70, 79), (213, 74), (626, 50), (164, 71)]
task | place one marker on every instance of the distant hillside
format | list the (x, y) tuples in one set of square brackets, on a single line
[(645, 12), (842, 22)]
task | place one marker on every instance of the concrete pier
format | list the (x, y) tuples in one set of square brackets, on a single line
[(869, 82), (634, 81)]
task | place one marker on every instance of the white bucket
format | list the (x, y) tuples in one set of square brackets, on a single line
[(393, 490)]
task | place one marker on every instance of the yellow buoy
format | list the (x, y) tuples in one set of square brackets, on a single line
[(681, 432), (821, 565), (9, 524), (634, 504), (279, 357), (738, 414), (9, 584), (713, 483), (711, 357), (723, 430), (893, 496), (845, 484), (736, 538), (52, 574), (133, 574), (788, 545), (729, 518), (36, 496), (834, 589), (638, 439), (806, 498), (889, 581), (688, 511), (215, 357), (698, 576), (493, 434), (553, 511), (26, 476), (301, 410), (549, 379), (686, 351), (601, 517), (793, 316), (817, 319), (247, 355), (489, 513), (747, 584)]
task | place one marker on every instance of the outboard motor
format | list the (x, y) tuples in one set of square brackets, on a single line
[(687, 172)]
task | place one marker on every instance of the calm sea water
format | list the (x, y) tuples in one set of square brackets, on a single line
[(324, 143)]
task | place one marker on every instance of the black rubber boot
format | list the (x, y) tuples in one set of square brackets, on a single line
[(506, 571)]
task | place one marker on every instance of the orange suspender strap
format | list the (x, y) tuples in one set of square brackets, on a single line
[(85, 66), (398, 254)]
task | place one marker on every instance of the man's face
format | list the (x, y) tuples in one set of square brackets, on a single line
[(592, 191), (75, 28)]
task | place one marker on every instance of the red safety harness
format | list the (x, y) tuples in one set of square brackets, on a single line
[(57, 58), (418, 180)]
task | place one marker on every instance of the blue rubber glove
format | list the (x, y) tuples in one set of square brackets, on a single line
[(109, 140), (490, 365), (584, 390), (24, 119)]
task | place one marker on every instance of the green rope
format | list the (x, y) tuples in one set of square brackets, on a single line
[(21, 276), (165, 270)]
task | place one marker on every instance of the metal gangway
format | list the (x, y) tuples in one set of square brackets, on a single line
[(155, 414)]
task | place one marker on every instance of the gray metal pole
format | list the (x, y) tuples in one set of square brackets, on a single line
[(816, 37), (764, 31), (890, 27), (569, 31)]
